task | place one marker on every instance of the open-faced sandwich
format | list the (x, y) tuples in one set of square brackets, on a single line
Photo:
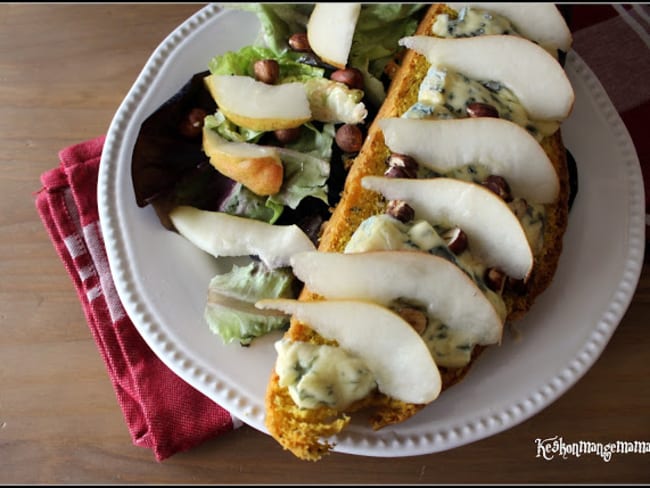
[(449, 226)]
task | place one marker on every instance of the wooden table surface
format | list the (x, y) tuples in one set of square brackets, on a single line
[(64, 69)]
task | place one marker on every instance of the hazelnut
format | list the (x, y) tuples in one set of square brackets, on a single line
[(401, 166), (192, 125), (478, 109), (351, 77), (416, 319), (286, 136), (456, 240), (267, 71), (494, 279), (518, 287), (299, 42), (349, 138), (400, 210), (499, 185)]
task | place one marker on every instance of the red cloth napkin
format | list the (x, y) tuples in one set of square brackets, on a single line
[(162, 412)]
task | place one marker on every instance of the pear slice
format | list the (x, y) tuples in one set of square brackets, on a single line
[(495, 235), (221, 234), (384, 276), (330, 30), (395, 354), (504, 147), (534, 76), (259, 106), (259, 168), (540, 22)]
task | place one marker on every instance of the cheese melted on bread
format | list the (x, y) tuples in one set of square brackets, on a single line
[(303, 430)]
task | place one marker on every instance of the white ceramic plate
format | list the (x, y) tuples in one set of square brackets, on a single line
[(162, 278)]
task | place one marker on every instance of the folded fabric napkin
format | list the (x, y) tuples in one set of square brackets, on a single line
[(162, 412)]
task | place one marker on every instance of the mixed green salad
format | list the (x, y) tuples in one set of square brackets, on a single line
[(171, 169)]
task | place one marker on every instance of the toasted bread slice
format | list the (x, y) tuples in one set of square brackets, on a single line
[(303, 431)]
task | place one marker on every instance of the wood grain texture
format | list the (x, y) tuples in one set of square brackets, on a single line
[(64, 70)]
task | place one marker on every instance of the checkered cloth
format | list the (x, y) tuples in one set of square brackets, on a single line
[(162, 411), (614, 41)]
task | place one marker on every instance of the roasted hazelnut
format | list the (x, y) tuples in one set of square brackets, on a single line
[(192, 125), (518, 287), (494, 279), (416, 319), (499, 185), (299, 42), (286, 136), (478, 109), (349, 138), (400, 210), (401, 166), (456, 240), (351, 77), (267, 71)]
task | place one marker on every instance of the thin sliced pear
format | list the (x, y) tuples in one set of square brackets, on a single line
[(495, 234), (330, 30), (539, 22), (504, 147), (259, 106), (384, 276), (534, 76), (395, 354), (221, 234), (259, 168)]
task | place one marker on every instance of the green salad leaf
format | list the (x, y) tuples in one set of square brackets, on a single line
[(230, 311)]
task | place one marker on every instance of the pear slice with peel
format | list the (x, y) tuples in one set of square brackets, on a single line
[(259, 106), (221, 234), (495, 235), (533, 75), (330, 30), (384, 276), (504, 147), (540, 22), (395, 354), (258, 168)]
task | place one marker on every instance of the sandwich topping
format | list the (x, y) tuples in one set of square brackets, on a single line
[(318, 375), (445, 94), (472, 22)]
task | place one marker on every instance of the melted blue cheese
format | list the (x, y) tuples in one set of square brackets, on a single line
[(472, 22), (449, 348), (321, 375), (445, 94)]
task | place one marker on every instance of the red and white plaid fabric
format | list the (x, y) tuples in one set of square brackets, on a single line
[(614, 41), (163, 412)]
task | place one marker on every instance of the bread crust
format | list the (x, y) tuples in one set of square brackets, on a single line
[(302, 430)]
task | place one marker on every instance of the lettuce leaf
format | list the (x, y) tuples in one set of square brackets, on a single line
[(379, 27), (241, 63), (230, 311)]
